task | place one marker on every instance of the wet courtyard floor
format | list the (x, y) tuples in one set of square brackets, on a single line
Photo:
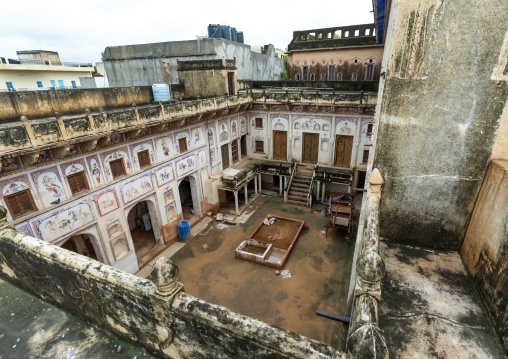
[(320, 270)]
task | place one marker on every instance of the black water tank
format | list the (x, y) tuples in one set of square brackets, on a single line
[(214, 31), (239, 36), (226, 32)]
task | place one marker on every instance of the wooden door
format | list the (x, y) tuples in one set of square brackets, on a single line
[(231, 84), (343, 150), (225, 156), (280, 145), (310, 147)]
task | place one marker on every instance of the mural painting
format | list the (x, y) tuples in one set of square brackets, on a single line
[(10, 164), (114, 155), (106, 202), (136, 188), (58, 224), (223, 131), (164, 174), (164, 148), (211, 136), (25, 229), (70, 168), (186, 165), (243, 124), (138, 147), (96, 170), (197, 138), (202, 158), (49, 185), (346, 126), (13, 185), (234, 128), (44, 156), (212, 155)]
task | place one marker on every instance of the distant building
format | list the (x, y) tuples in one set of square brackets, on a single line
[(347, 53), (39, 69), (148, 64)]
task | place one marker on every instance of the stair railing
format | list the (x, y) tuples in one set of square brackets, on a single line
[(286, 190), (311, 188)]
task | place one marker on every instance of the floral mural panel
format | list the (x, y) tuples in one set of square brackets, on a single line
[(136, 188)]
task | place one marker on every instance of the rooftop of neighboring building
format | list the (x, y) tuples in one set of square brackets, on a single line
[(332, 37)]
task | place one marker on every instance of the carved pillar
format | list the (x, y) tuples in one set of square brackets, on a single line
[(61, 125), (29, 131)]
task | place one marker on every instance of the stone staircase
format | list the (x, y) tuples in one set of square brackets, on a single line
[(301, 185)]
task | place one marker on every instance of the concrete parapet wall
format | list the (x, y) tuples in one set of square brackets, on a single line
[(156, 316), (40, 104), (485, 248)]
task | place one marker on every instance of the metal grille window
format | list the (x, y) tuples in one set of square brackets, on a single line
[(354, 77), (370, 128), (243, 146), (20, 203), (225, 156), (77, 182), (369, 72), (117, 168), (234, 151), (144, 159), (260, 146), (331, 72), (339, 77), (305, 73), (323, 77), (259, 122), (182, 144)]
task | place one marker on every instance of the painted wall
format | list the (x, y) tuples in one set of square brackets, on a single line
[(344, 59), (103, 211), (23, 79)]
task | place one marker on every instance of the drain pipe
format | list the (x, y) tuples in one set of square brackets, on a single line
[(332, 316)]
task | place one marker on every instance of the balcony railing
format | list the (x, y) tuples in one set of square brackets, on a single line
[(4, 60), (17, 89)]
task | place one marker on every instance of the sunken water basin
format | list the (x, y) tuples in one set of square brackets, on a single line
[(271, 245)]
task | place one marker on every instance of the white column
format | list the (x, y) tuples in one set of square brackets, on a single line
[(246, 195), (236, 202), (260, 183), (280, 185), (318, 187), (323, 193), (285, 182), (333, 136), (256, 184)]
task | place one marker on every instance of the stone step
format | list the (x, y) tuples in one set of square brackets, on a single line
[(298, 198), (300, 185), (293, 192), (300, 203), (302, 181)]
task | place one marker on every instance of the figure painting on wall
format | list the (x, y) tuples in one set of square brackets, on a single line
[(165, 148), (242, 126), (96, 172), (52, 187), (233, 128), (211, 137), (345, 129), (197, 137), (317, 127), (305, 125)]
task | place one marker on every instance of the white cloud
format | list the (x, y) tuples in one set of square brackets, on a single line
[(80, 30)]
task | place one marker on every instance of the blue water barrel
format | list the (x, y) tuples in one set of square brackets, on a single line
[(161, 92), (184, 230)]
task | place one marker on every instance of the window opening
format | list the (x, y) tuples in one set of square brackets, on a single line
[(259, 122), (20, 203), (260, 146), (144, 159), (182, 144), (117, 168), (77, 182)]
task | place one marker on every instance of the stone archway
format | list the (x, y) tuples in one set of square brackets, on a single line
[(189, 198), (85, 244), (143, 223)]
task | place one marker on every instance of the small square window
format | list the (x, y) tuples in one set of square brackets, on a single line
[(74, 85), (144, 159), (77, 182), (117, 168), (339, 77), (182, 144), (20, 203), (354, 77), (370, 128), (365, 158), (259, 122), (323, 77), (260, 146)]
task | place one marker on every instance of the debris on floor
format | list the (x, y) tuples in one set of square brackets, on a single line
[(285, 274), (220, 216), (268, 221)]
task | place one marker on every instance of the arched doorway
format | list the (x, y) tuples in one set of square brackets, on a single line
[(189, 199), (84, 244), (144, 228)]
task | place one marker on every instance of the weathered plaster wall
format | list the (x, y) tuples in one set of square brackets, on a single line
[(440, 113), (485, 248), (40, 104), (146, 64), (136, 310), (500, 150)]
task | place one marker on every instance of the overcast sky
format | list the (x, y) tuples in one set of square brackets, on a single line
[(80, 30)]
